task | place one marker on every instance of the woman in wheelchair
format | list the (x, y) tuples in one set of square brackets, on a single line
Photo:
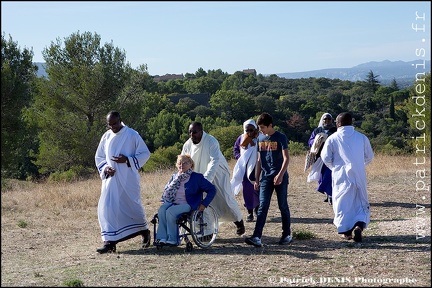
[(183, 193)]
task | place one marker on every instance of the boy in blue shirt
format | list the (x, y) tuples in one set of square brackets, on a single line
[(271, 174)]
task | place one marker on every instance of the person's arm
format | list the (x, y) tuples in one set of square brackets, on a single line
[(327, 154), (215, 154), (311, 139), (278, 178), (257, 172), (368, 152), (104, 169), (236, 148), (210, 190)]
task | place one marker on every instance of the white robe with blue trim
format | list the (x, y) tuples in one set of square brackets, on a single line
[(120, 211)]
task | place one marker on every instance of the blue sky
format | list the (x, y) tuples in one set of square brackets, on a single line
[(271, 37)]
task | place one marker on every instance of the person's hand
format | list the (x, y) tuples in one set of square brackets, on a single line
[(277, 180), (119, 159), (256, 185), (201, 208), (109, 171)]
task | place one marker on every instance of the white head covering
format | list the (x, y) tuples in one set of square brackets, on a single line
[(321, 122), (249, 122)]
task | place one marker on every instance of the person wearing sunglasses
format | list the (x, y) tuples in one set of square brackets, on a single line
[(119, 156), (245, 152), (319, 171)]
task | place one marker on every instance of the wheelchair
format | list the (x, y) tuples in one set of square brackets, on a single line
[(201, 227)]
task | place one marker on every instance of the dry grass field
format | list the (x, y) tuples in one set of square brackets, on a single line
[(49, 234)]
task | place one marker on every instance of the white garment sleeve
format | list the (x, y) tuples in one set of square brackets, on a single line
[(215, 158)]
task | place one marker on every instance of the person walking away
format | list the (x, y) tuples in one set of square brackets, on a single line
[(347, 152)]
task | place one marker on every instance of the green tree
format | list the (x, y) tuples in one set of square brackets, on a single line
[(202, 84), (232, 104), (165, 129), (419, 111), (394, 85), (84, 81), (17, 76), (372, 83)]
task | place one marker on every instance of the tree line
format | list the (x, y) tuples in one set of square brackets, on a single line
[(51, 126)]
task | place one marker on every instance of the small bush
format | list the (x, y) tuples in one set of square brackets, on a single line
[(75, 173), (22, 224), (296, 148), (73, 283), (303, 235), (162, 158)]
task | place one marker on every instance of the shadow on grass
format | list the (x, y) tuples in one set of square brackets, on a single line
[(399, 204), (304, 249)]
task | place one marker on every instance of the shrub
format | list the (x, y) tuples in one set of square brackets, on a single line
[(296, 148), (73, 283), (163, 158)]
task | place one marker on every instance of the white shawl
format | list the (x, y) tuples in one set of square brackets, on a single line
[(245, 164)]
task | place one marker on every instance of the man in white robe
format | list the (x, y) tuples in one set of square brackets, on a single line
[(120, 154), (347, 152), (209, 160)]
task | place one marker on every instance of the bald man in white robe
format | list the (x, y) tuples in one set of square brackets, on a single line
[(347, 152)]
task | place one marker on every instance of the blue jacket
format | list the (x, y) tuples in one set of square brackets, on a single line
[(195, 188)]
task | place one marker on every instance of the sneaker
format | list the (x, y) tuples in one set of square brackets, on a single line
[(358, 234), (285, 240), (250, 218), (255, 241)]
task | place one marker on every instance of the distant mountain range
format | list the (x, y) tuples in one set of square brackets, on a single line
[(403, 72)]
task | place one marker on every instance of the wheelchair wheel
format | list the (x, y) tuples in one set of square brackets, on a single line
[(204, 227), (189, 246)]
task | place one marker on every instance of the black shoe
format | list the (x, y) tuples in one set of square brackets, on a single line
[(240, 227), (358, 234), (107, 248), (146, 238), (250, 218)]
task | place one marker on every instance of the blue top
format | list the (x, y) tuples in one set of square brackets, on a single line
[(270, 149), (195, 188)]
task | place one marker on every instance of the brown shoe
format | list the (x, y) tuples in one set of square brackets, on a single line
[(358, 234)]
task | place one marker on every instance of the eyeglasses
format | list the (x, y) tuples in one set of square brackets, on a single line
[(249, 130)]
